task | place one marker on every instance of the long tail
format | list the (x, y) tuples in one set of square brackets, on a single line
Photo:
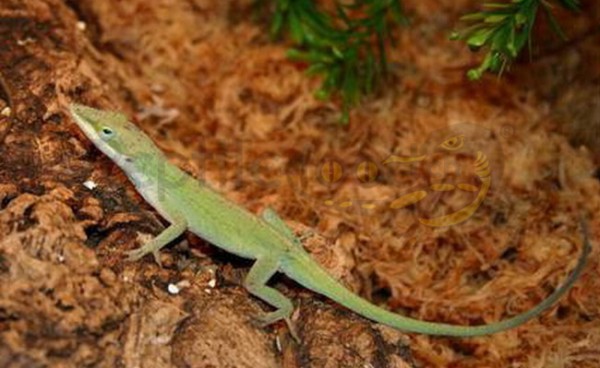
[(311, 276)]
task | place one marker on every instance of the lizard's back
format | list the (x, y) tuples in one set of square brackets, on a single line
[(221, 222)]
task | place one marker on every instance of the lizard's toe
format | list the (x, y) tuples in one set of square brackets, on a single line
[(156, 255), (136, 254), (265, 320), (139, 253)]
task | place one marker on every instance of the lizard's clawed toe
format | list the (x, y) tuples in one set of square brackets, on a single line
[(136, 254), (265, 320), (139, 253)]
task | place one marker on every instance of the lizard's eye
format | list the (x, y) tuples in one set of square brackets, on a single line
[(107, 133)]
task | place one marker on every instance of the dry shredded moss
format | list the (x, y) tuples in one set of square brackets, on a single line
[(223, 102)]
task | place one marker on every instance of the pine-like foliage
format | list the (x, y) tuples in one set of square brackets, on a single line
[(347, 47), (504, 28)]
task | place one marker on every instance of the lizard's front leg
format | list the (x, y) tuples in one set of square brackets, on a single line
[(177, 227), (256, 284)]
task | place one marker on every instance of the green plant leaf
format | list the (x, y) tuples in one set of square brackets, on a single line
[(503, 30), (347, 48)]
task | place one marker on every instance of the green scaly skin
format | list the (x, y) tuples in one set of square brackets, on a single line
[(189, 204)]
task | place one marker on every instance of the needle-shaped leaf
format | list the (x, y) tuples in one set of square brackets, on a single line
[(347, 48), (503, 29)]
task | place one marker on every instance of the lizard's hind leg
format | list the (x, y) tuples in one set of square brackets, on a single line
[(256, 283)]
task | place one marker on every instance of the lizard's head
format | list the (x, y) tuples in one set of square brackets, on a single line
[(112, 133)]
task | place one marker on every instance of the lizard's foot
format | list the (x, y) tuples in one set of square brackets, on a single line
[(141, 252), (270, 318), (292, 330)]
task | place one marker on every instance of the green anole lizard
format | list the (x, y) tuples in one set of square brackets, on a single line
[(188, 204)]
